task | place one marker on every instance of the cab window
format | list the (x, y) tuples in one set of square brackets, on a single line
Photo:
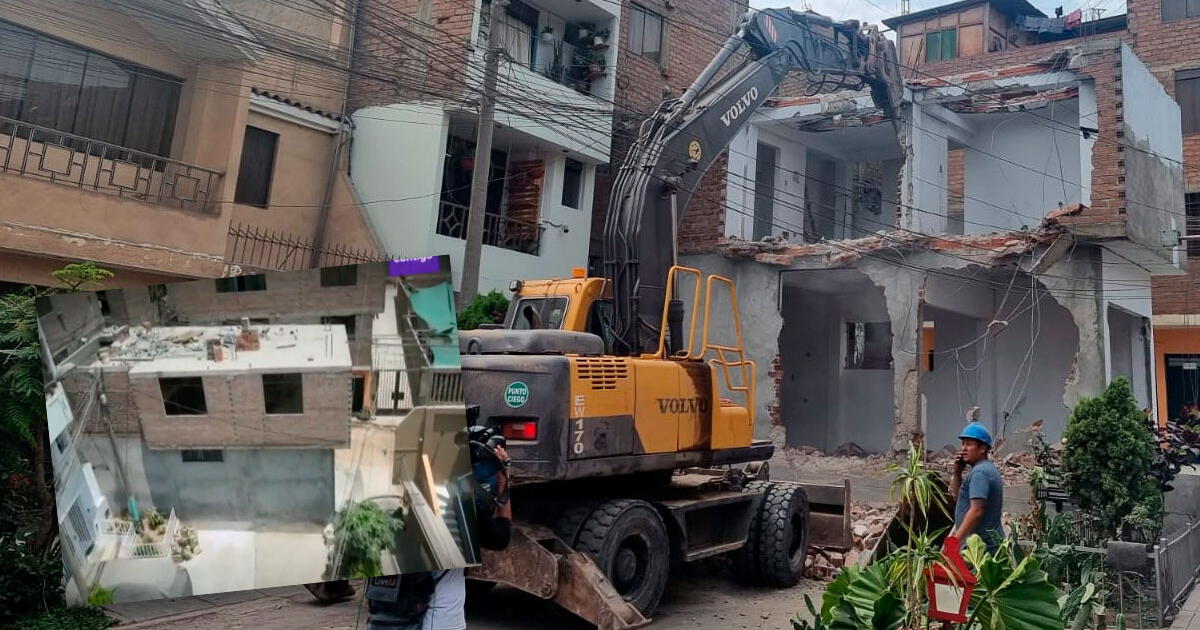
[(600, 322), (539, 313)]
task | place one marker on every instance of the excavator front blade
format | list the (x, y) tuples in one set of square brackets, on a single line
[(538, 562)]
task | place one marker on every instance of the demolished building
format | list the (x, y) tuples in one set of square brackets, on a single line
[(991, 249)]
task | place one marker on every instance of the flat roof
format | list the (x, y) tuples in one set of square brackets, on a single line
[(1008, 7), (181, 350)]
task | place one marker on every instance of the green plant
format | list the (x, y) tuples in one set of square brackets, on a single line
[(76, 276), (99, 596), (362, 532), (486, 308), (1010, 594), (31, 579), (1107, 459)]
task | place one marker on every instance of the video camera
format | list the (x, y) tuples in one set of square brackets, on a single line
[(485, 463)]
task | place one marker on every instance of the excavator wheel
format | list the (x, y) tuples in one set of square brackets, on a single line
[(777, 544), (570, 521), (628, 541)]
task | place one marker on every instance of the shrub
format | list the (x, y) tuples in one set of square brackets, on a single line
[(486, 308), (1108, 459), (362, 532)]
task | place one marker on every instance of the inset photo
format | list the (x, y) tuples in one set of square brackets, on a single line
[(256, 431)]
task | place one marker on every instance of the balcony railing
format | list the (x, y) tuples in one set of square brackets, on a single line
[(498, 230), (72, 160)]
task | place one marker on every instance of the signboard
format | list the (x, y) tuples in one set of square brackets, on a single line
[(414, 266), (516, 394)]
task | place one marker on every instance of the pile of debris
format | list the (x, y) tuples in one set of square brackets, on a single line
[(868, 523), (848, 460)]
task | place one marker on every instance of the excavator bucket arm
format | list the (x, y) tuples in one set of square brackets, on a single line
[(538, 562)]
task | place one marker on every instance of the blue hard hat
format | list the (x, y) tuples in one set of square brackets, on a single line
[(976, 431)]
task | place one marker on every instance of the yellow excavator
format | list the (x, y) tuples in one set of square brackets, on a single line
[(628, 400)]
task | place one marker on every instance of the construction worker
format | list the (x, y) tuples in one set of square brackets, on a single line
[(981, 498)]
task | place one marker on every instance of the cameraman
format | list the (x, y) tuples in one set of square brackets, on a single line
[(435, 600)]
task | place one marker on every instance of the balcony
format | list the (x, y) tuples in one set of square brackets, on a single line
[(79, 162), (498, 230)]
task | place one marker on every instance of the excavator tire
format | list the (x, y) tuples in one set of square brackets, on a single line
[(628, 541), (777, 544), (570, 521)]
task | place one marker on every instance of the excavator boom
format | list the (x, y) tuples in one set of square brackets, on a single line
[(685, 136)]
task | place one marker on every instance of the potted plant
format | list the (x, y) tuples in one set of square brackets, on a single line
[(596, 68), (547, 35), (600, 38)]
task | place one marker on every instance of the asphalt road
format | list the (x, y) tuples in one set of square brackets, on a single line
[(698, 597)]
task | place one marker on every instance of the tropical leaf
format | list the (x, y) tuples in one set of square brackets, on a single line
[(1014, 598)]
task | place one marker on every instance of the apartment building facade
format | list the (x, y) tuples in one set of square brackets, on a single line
[(412, 159), (158, 139)]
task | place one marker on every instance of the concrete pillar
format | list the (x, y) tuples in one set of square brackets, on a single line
[(900, 290), (923, 189)]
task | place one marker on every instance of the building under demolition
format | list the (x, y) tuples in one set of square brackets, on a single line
[(207, 450), (992, 248)]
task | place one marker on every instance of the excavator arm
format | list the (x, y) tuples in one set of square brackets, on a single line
[(678, 144)]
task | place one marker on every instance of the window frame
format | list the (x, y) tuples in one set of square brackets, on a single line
[(336, 276), (884, 361), (244, 195), (642, 13), (201, 455), (278, 377), (349, 322), (1191, 223), (567, 169), (1189, 113), (193, 381), (241, 284), (939, 35), (1183, 10), (139, 77)]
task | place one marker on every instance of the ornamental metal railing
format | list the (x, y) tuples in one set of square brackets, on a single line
[(498, 230), (88, 164)]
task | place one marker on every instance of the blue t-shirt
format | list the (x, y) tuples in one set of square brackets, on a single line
[(984, 482)]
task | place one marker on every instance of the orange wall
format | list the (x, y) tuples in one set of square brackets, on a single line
[(1171, 341)]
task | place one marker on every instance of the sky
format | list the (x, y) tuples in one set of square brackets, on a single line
[(873, 11)]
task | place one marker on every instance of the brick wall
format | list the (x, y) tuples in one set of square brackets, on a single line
[(236, 414), (1010, 57), (291, 297), (1178, 295), (121, 410), (1166, 47), (694, 31), (408, 49)]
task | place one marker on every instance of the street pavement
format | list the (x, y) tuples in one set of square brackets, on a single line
[(1189, 617)]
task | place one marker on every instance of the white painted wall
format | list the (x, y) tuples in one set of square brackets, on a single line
[(396, 166), (397, 170), (1089, 117), (1126, 287), (1019, 163), (923, 188), (790, 179), (1150, 112)]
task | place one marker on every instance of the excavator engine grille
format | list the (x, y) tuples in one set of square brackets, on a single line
[(602, 373)]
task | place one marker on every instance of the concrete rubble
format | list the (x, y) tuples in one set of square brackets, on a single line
[(868, 524)]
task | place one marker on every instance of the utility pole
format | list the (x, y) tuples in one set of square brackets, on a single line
[(476, 215)]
